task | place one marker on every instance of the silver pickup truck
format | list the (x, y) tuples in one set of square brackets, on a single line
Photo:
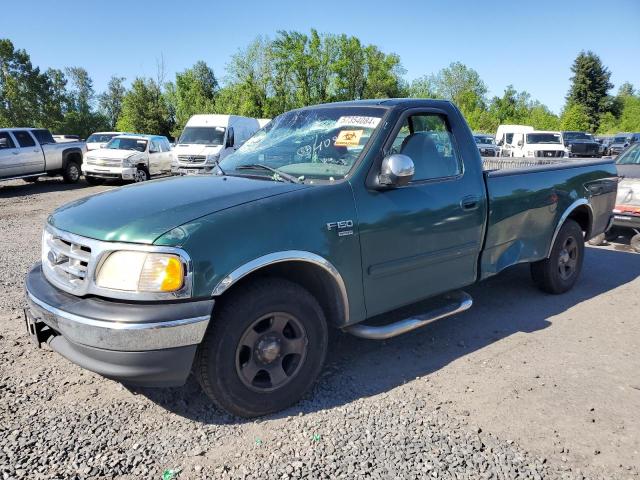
[(30, 153)]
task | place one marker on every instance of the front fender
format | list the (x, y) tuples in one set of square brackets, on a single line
[(232, 242)]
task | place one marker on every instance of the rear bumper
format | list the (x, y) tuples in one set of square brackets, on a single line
[(626, 220), (139, 344)]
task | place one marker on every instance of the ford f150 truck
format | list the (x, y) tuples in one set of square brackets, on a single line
[(30, 153), (327, 217)]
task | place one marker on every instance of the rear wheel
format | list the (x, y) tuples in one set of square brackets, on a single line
[(71, 172), (559, 273), (264, 349), (94, 180)]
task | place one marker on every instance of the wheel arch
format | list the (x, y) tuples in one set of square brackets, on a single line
[(582, 213), (71, 155), (311, 271)]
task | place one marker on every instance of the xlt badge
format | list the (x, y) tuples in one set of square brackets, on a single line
[(343, 227)]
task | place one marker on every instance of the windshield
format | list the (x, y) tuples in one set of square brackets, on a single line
[(100, 137), (202, 135), (321, 143), (630, 157), (484, 140), (577, 136), (127, 144), (620, 139), (543, 138)]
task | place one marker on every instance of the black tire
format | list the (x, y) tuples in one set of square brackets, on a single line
[(31, 179), (249, 317), (71, 172), (94, 180), (141, 175), (635, 242), (559, 273)]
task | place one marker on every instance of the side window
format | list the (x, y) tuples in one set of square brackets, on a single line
[(6, 141), (23, 138), (427, 140), (164, 145), (43, 136), (154, 148)]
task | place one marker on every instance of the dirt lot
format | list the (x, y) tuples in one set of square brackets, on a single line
[(523, 385)]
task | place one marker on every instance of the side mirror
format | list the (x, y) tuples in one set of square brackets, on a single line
[(520, 143), (396, 171), (230, 138)]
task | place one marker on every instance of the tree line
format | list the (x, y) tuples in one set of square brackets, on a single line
[(292, 70)]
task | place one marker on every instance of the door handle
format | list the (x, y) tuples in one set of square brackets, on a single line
[(470, 203)]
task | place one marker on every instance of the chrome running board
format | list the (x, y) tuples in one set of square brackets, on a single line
[(459, 302)]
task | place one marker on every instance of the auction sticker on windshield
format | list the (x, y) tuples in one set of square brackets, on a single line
[(348, 138), (358, 121)]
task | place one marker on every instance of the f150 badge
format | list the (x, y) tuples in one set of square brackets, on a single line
[(343, 227)]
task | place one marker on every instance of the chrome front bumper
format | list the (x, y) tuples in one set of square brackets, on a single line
[(150, 344)]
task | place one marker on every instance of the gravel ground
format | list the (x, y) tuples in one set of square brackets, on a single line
[(524, 385)]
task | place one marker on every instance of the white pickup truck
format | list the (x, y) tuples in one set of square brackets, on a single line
[(30, 153)]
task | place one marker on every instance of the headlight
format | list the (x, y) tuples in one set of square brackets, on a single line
[(141, 272), (129, 161), (211, 159)]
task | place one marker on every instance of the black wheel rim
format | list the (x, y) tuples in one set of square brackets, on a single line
[(568, 258), (271, 352)]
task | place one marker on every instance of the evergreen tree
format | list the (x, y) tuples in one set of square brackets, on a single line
[(589, 87)]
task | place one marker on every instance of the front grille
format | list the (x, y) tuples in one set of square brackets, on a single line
[(191, 158), (105, 162), (66, 261), (549, 153)]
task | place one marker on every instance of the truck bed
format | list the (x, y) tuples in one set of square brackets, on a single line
[(528, 198)]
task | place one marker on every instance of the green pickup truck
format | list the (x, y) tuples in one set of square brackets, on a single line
[(327, 217)]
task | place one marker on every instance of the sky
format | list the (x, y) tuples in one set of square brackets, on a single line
[(530, 45)]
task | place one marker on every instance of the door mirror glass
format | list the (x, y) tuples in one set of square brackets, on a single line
[(520, 143), (230, 138), (396, 171)]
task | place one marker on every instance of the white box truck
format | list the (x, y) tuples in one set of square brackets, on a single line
[(207, 139)]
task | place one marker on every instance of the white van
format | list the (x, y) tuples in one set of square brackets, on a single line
[(538, 144), (207, 139), (504, 137)]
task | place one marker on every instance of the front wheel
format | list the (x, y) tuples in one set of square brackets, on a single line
[(71, 172), (264, 348), (559, 273), (141, 175)]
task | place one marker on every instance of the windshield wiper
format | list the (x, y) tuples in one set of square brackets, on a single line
[(278, 173)]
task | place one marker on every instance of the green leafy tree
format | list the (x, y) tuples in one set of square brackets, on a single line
[(590, 84), (626, 90), (460, 84), (22, 88), (575, 117), (80, 117), (144, 109), (423, 87), (541, 118), (630, 118), (55, 101), (194, 92), (110, 101)]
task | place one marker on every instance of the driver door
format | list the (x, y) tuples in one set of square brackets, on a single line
[(422, 239)]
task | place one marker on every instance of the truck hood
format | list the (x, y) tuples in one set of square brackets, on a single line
[(188, 149), (141, 213), (112, 153)]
